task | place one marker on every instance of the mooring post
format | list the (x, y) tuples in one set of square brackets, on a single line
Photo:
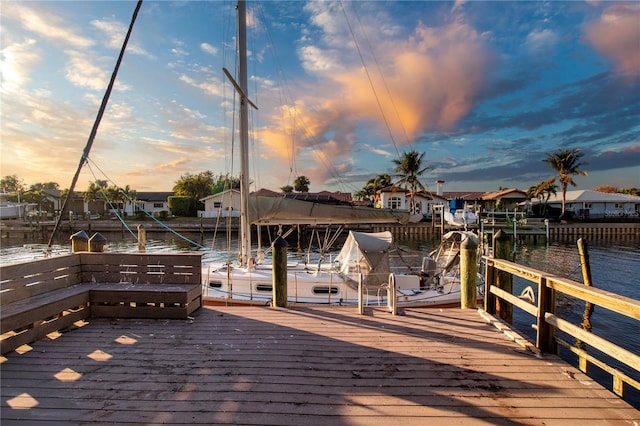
[(279, 280), (468, 274), (504, 280), (583, 250), (142, 239)]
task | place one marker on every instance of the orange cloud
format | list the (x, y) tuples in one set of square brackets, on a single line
[(426, 81), (616, 35)]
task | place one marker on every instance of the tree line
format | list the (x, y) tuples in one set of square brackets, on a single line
[(409, 169)]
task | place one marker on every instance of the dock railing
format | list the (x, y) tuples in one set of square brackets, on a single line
[(500, 303)]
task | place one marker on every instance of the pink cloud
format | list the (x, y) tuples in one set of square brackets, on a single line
[(428, 80), (616, 35)]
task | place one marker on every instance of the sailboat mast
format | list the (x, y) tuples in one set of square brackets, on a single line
[(245, 226)]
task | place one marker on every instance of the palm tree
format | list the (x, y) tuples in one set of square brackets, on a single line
[(542, 191), (566, 163), (95, 193), (373, 185), (409, 169)]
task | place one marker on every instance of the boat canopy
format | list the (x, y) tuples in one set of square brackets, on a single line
[(366, 253), (264, 210)]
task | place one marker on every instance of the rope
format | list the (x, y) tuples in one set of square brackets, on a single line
[(366, 70), (135, 204)]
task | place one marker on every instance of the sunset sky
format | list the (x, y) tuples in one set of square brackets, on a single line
[(484, 89)]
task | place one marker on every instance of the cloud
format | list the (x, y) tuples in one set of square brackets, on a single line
[(211, 86), (114, 33), (207, 48), (541, 42), (83, 71), (428, 80), (46, 25), (17, 59), (616, 34)]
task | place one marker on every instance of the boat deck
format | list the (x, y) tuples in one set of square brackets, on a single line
[(310, 366)]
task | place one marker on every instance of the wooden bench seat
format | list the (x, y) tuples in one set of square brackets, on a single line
[(31, 319), (128, 300), (47, 295)]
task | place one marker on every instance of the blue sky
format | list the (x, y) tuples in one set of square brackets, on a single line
[(484, 89)]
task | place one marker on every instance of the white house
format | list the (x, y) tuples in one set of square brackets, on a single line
[(150, 202), (400, 199), (594, 204), (222, 204)]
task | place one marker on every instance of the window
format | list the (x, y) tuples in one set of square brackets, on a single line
[(217, 204), (324, 290), (158, 205), (588, 206), (619, 206), (264, 287), (394, 203)]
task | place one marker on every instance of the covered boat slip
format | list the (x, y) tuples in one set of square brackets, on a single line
[(311, 365)]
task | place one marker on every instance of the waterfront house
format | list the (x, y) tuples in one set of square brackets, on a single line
[(503, 199), (588, 204), (222, 204), (396, 198), (150, 202)]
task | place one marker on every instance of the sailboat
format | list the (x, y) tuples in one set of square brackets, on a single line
[(333, 282)]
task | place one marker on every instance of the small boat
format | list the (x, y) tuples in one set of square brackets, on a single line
[(461, 218), (13, 210)]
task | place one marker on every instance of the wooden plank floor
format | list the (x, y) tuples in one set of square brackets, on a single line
[(306, 366)]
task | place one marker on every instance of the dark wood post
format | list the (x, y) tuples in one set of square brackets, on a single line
[(468, 274), (504, 280), (489, 280), (583, 250), (279, 280), (546, 303)]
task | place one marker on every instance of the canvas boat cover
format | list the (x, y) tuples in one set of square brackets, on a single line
[(366, 253), (265, 210)]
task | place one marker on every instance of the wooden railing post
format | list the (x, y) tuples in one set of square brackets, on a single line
[(490, 280), (469, 274), (504, 280), (545, 340)]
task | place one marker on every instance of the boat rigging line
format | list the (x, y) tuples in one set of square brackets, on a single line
[(373, 88), (96, 124)]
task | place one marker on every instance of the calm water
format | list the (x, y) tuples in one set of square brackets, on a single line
[(614, 267)]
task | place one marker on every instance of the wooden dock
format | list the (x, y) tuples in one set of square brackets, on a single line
[(309, 366)]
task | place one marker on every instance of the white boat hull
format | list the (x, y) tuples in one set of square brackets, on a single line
[(306, 286)]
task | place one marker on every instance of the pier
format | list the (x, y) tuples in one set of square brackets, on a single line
[(312, 365)]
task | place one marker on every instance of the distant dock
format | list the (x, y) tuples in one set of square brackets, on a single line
[(533, 229)]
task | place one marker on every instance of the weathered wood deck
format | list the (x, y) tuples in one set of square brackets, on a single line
[(298, 366)]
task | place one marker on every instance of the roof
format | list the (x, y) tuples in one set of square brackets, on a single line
[(589, 196), (466, 195), (220, 194), (422, 193), (512, 193), (153, 196)]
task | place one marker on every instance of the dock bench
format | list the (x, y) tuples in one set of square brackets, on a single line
[(42, 296)]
